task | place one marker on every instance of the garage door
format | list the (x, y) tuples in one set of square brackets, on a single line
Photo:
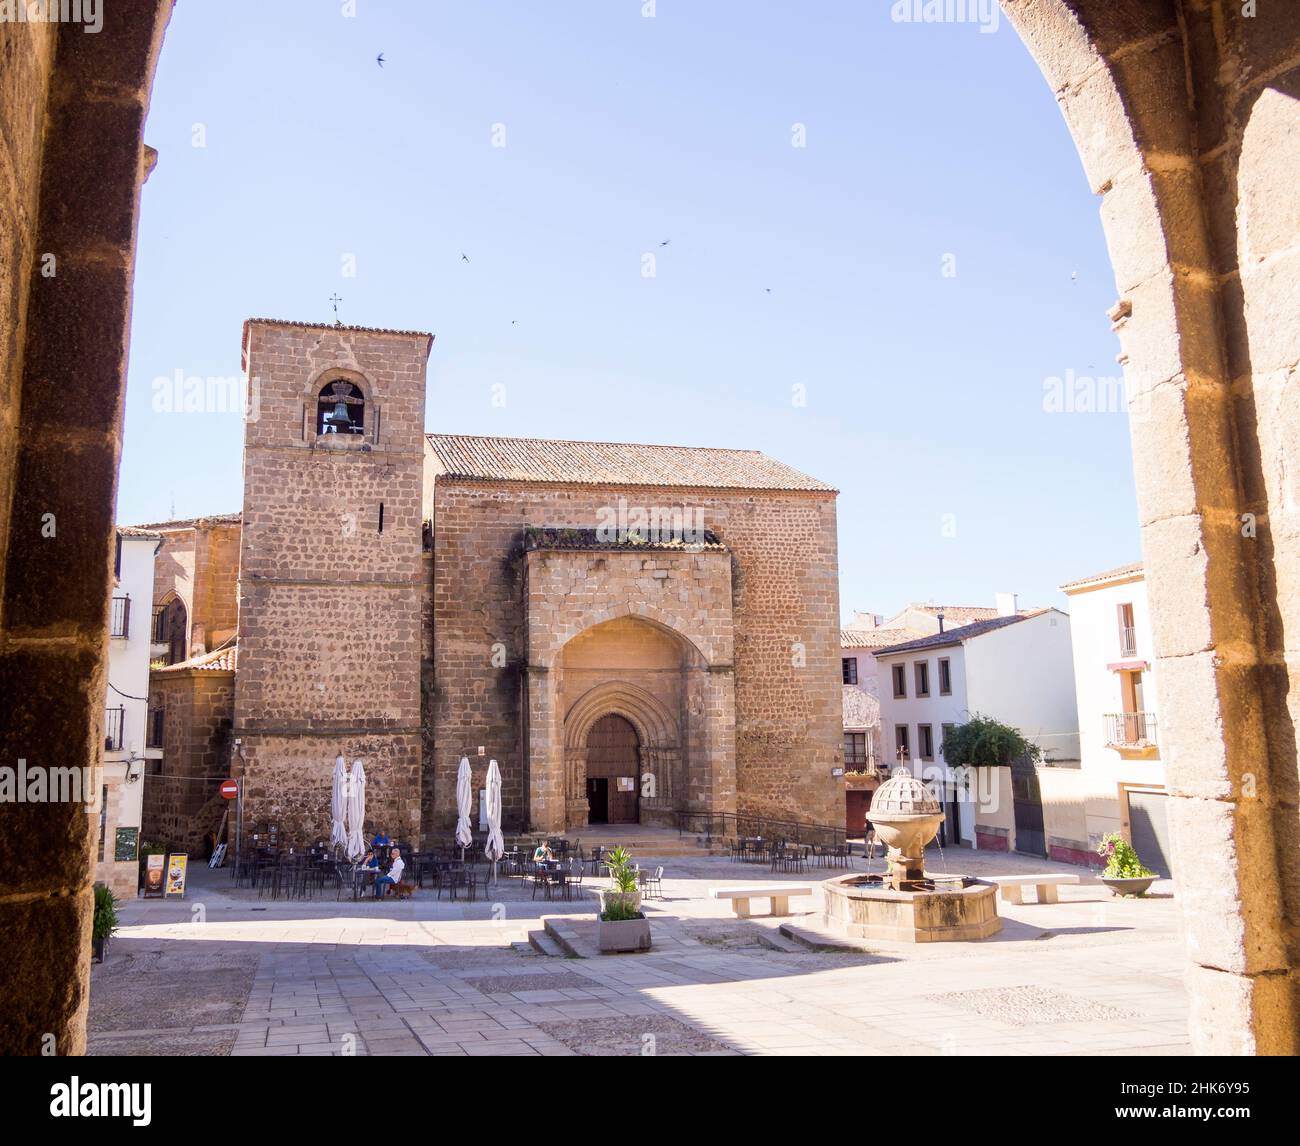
[(1149, 829)]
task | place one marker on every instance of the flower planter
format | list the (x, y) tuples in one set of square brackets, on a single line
[(1133, 885), (623, 934)]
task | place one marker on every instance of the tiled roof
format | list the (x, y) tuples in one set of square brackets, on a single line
[(137, 531), (564, 537), (1109, 575), (961, 614), (958, 635), (536, 460), (224, 659), (191, 522), (874, 638)]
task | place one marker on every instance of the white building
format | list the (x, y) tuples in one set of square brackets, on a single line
[(126, 710), (1120, 783), (1015, 667)]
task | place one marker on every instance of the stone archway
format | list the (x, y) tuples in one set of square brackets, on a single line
[(659, 747), (1179, 110)]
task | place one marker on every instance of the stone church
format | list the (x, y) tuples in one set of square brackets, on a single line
[(635, 633)]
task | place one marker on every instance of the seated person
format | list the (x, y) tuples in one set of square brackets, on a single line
[(542, 853), (371, 862), (394, 875), (381, 839)]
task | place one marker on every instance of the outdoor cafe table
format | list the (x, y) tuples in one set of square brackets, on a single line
[(361, 876)]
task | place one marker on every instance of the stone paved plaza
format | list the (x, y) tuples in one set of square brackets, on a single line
[(225, 973)]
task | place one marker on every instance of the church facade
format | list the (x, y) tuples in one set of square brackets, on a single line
[(635, 633)]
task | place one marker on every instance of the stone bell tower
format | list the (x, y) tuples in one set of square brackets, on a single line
[(329, 574)]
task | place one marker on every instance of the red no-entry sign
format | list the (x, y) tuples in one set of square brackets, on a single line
[(230, 789)]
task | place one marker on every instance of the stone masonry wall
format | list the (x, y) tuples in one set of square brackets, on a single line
[(329, 622), (786, 633)]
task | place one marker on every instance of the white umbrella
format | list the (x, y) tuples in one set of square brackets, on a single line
[(496, 845), (464, 804), (357, 811), (339, 804)]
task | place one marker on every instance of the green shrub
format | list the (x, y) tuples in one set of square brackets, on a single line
[(104, 923), (985, 742)]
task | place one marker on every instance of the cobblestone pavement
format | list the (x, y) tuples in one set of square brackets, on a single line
[(225, 973)]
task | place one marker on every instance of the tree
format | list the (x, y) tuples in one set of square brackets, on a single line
[(985, 742)]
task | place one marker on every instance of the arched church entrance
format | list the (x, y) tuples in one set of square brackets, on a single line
[(613, 767)]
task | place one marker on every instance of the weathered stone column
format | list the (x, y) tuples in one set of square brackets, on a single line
[(72, 114), (545, 754), (1202, 237)]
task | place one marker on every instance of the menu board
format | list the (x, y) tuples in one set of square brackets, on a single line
[(125, 844), (153, 875), (177, 863)]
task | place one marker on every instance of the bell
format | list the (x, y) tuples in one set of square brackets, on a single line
[(341, 417)]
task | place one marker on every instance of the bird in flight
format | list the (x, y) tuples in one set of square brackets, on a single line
[(665, 242), (768, 289), (464, 258), (379, 59)]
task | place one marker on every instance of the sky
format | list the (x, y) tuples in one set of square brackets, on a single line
[(882, 258)]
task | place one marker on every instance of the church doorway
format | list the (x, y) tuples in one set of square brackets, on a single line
[(613, 767)]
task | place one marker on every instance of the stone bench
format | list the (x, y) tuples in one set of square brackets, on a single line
[(778, 893), (1012, 887)]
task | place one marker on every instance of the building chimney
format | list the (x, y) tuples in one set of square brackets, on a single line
[(940, 616), (1006, 604)]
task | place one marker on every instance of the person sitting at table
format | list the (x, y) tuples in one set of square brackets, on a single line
[(381, 839), (394, 875), (542, 853), (371, 862)]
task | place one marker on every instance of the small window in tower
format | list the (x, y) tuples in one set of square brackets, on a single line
[(341, 409)]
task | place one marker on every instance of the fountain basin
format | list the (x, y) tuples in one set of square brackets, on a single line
[(866, 907)]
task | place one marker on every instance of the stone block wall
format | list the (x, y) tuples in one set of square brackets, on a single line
[(181, 799), (785, 633), (330, 564)]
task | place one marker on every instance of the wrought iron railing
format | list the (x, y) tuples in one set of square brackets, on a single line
[(735, 825), (1127, 641), (113, 721), (120, 618), (1130, 729), (154, 729)]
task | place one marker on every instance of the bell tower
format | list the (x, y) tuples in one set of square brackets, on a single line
[(329, 574)]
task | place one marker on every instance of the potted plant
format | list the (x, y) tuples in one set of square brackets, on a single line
[(621, 924), (1125, 874), (104, 923)]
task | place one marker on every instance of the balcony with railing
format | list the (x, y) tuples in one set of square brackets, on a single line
[(120, 617), (1130, 729), (114, 718), (1128, 641)]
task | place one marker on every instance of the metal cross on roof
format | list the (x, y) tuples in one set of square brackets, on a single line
[(334, 298)]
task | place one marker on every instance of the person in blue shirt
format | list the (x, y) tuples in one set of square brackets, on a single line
[(381, 839)]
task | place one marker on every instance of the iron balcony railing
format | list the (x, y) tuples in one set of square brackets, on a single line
[(1130, 729), (154, 729), (113, 720), (1127, 641), (158, 628), (120, 619)]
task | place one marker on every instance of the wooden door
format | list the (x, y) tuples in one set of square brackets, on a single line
[(612, 754)]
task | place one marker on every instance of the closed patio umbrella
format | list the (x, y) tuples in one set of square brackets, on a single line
[(339, 804), (357, 811), (496, 844), (464, 804)]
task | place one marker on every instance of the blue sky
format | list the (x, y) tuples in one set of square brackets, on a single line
[(924, 392)]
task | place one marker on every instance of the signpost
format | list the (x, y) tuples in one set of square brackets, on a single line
[(230, 789)]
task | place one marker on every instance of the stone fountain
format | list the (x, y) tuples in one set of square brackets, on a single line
[(906, 903)]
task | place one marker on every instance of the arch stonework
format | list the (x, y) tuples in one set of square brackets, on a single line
[(1182, 113), (571, 593), (660, 745)]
